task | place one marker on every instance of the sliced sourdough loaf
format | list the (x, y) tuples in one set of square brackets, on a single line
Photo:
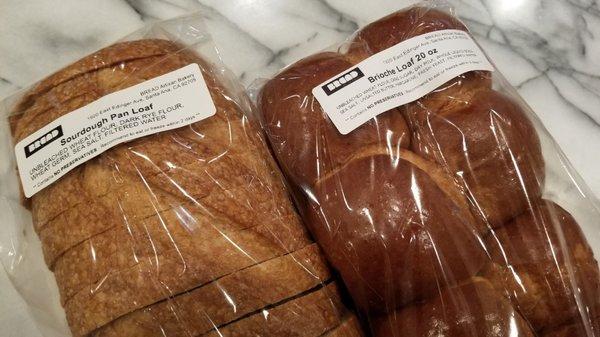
[(176, 224), (227, 299), (133, 200), (181, 231), (157, 277)]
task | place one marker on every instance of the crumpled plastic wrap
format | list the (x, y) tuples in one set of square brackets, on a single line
[(452, 215), (188, 232)]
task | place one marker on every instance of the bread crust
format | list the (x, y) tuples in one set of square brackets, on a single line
[(306, 142), (97, 84), (127, 200), (539, 275), (158, 277), (400, 26), (172, 232), (227, 299), (291, 318), (488, 145), (356, 188), (109, 56), (397, 238), (471, 309)]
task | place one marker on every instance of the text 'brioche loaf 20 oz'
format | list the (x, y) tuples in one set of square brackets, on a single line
[(432, 210), (185, 232)]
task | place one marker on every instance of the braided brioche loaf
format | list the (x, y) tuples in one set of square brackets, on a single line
[(180, 233), (414, 207)]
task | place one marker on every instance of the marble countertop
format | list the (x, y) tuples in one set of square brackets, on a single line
[(549, 50)]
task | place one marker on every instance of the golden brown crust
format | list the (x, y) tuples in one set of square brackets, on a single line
[(226, 299), (109, 56), (150, 155), (66, 192), (158, 277), (128, 200), (40, 114), (95, 84), (145, 157), (154, 150), (169, 232), (292, 318), (64, 98)]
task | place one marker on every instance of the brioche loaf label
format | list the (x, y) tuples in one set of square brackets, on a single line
[(166, 102), (398, 75)]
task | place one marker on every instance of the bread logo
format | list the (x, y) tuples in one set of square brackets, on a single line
[(44, 140), (342, 81)]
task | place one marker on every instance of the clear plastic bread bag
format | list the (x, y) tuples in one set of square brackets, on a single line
[(433, 189), (139, 199)]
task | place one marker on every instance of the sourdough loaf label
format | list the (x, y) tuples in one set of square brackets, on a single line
[(170, 101), (398, 75)]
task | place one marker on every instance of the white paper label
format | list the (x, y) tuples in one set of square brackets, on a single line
[(170, 101), (398, 75)]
